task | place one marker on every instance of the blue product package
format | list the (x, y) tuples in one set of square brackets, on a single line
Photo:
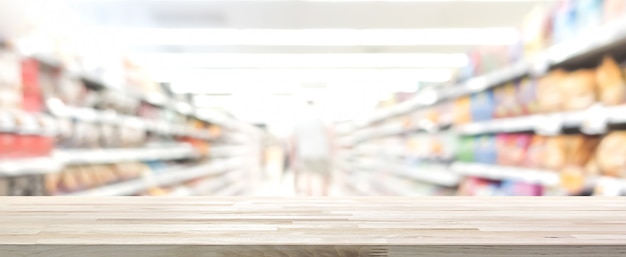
[(482, 106), (478, 149), (485, 150), (588, 14), (156, 166), (565, 22)]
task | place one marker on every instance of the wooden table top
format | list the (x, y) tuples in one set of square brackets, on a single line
[(366, 222)]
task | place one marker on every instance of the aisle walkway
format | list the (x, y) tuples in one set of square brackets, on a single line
[(277, 186), (284, 186)]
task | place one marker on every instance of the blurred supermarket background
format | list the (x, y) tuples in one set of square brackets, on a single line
[(217, 97)]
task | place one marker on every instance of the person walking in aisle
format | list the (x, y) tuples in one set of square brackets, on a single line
[(311, 153)]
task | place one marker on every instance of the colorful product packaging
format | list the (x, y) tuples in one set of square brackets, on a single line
[(613, 10), (485, 150), (462, 110), (516, 188), (466, 149), (565, 23), (588, 14), (482, 106), (32, 97), (527, 97)]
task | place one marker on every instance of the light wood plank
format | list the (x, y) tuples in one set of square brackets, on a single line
[(353, 226)]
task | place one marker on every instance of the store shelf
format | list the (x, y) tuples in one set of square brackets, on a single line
[(383, 114), (99, 156), (62, 158), (591, 121), (435, 174), (151, 98), (29, 166), (487, 81), (89, 115), (25, 123), (591, 43), (611, 35), (235, 138), (381, 131), (496, 172), (374, 150), (209, 185), (181, 191), (164, 178), (227, 151), (609, 186)]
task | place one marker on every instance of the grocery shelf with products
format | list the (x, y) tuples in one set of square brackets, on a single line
[(543, 117), (71, 131)]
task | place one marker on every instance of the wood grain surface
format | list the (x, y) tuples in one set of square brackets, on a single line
[(372, 226)]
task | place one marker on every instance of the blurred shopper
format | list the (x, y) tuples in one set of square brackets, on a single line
[(311, 153)]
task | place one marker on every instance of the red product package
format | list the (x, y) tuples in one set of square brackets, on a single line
[(504, 143), (28, 146), (512, 148), (33, 101), (534, 152), (7, 145), (520, 143), (43, 146)]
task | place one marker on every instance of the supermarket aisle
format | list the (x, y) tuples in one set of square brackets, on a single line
[(534, 107)]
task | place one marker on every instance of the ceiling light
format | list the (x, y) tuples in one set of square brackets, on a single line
[(280, 81), (301, 60), (315, 37)]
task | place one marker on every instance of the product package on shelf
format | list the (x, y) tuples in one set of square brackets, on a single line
[(579, 90), (462, 110), (466, 149), (444, 146), (32, 99), (484, 187), (534, 31), (445, 116), (485, 150), (610, 82), (512, 148), (609, 156), (613, 9), (139, 80), (534, 152), (564, 23), (517, 188), (478, 187), (84, 177), (527, 96), (156, 191), (588, 14), (482, 106)]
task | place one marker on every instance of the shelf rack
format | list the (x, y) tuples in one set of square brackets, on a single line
[(168, 177), (595, 120)]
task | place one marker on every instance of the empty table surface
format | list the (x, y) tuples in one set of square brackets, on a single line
[(357, 226)]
